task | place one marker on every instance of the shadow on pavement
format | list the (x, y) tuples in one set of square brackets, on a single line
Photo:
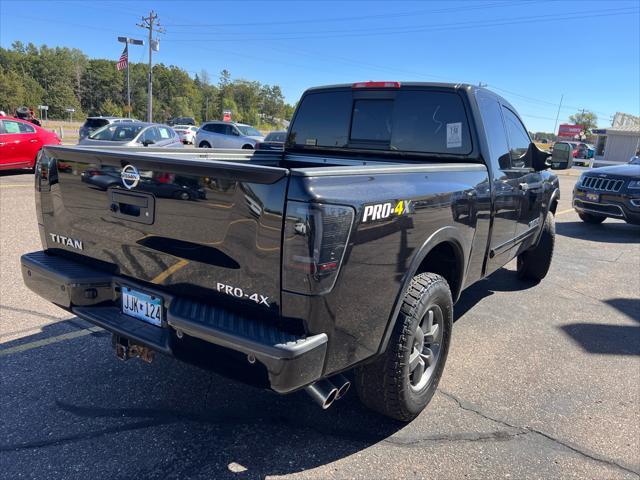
[(502, 280), (75, 411), (610, 339), (607, 232)]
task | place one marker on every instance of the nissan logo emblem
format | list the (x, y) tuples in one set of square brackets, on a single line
[(130, 176)]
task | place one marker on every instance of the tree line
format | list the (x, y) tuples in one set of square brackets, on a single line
[(64, 78)]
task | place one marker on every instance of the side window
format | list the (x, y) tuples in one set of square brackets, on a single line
[(148, 134), (24, 128), (164, 132), (519, 140), (494, 129), (11, 127), (230, 130), (219, 128)]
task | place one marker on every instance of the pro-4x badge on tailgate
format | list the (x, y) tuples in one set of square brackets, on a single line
[(382, 211)]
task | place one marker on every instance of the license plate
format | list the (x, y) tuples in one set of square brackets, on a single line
[(593, 197), (142, 306)]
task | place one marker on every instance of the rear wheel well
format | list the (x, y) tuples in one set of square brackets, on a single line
[(445, 259), (247, 147), (554, 206)]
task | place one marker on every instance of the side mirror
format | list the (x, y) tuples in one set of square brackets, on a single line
[(539, 158), (146, 143), (235, 132), (561, 157)]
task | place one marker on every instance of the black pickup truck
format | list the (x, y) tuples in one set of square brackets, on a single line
[(337, 260)]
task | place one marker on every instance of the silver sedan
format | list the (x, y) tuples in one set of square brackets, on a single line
[(133, 134)]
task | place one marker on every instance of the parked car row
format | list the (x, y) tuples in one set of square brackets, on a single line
[(21, 140), (211, 134)]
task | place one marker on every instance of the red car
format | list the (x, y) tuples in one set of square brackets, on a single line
[(20, 142)]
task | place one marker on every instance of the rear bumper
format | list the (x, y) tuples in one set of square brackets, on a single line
[(291, 361)]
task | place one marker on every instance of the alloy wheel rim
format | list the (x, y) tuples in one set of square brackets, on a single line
[(426, 348)]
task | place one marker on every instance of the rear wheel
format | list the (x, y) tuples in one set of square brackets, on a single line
[(533, 264), (591, 218), (204, 145), (247, 147), (401, 382)]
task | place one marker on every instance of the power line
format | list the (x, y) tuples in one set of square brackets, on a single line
[(382, 31), (346, 19)]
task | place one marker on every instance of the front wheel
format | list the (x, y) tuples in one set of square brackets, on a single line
[(533, 264), (204, 145), (591, 218), (401, 382)]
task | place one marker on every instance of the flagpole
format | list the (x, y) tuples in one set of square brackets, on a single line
[(125, 54), (128, 88)]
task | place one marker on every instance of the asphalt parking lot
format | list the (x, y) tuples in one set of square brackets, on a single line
[(543, 381)]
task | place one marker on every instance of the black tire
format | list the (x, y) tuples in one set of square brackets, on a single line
[(204, 145), (247, 147), (533, 264), (183, 196), (591, 218), (388, 384)]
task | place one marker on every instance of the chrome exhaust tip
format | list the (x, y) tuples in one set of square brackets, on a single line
[(323, 392), (343, 385)]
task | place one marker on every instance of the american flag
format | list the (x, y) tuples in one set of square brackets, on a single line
[(124, 59)]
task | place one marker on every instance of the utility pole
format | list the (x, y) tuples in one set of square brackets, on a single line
[(150, 23), (558, 114)]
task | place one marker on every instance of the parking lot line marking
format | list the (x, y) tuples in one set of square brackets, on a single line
[(49, 341), (161, 277), (565, 211), (15, 186)]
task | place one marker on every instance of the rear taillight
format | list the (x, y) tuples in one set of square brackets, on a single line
[(315, 240), (376, 85)]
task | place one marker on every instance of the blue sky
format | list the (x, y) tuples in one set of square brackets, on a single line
[(529, 51)]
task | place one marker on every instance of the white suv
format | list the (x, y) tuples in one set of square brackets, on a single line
[(227, 135)]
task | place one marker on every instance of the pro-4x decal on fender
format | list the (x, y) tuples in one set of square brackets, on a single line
[(383, 211)]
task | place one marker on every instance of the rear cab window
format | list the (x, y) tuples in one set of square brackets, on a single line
[(95, 123), (412, 120)]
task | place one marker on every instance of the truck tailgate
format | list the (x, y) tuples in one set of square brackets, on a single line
[(195, 227)]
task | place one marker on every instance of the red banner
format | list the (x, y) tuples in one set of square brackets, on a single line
[(567, 130)]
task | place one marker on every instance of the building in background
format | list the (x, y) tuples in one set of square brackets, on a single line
[(618, 143)]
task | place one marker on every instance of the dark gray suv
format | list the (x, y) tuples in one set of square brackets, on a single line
[(94, 123)]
